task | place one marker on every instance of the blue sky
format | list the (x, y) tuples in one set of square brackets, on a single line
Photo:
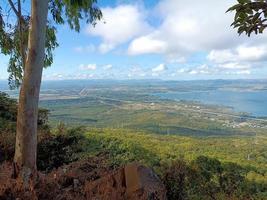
[(151, 39)]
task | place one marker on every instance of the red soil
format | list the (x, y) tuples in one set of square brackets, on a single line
[(88, 179)]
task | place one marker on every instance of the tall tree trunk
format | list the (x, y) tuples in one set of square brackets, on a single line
[(26, 138)]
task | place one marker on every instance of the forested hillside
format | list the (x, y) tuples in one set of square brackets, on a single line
[(190, 167)]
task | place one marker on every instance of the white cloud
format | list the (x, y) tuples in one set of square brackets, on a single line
[(252, 53), (76, 76), (182, 70), (85, 49), (121, 24), (190, 27), (247, 72), (182, 28), (54, 76), (159, 68), (88, 67), (199, 70), (239, 54), (238, 61), (57, 76), (220, 69), (107, 67), (175, 59), (137, 72), (146, 44), (221, 56), (233, 66)]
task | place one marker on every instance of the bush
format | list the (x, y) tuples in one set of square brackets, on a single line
[(59, 149), (7, 146), (176, 180), (207, 178), (8, 114), (54, 150)]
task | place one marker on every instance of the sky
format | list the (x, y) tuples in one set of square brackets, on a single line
[(157, 39)]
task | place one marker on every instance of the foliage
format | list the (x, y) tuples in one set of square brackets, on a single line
[(218, 167), (8, 118), (73, 11), (176, 180), (178, 160), (8, 107), (59, 149), (54, 150), (43, 117), (206, 178), (14, 33), (251, 16), (8, 114), (7, 146)]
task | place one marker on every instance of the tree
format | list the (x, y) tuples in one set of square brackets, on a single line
[(251, 16), (29, 42)]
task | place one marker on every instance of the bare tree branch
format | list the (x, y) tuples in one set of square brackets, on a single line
[(14, 8)]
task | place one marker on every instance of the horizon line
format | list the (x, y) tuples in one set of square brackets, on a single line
[(151, 79)]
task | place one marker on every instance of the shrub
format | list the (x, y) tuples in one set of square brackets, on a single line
[(54, 150), (7, 146), (59, 149), (206, 178), (8, 114), (175, 179)]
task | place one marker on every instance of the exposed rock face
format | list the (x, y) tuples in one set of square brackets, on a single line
[(111, 186), (143, 183), (133, 182)]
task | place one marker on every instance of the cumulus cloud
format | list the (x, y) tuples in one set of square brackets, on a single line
[(239, 54), (88, 67), (198, 70), (233, 66), (147, 44), (220, 69), (238, 61), (189, 27), (159, 68), (182, 29), (121, 24)]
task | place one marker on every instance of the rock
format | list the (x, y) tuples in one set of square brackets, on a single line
[(133, 182), (143, 183), (111, 186), (86, 180)]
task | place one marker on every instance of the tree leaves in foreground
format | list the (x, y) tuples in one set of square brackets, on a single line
[(250, 17)]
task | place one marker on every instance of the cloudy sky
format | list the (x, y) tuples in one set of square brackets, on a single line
[(150, 39)]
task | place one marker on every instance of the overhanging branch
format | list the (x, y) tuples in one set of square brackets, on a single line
[(14, 8)]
